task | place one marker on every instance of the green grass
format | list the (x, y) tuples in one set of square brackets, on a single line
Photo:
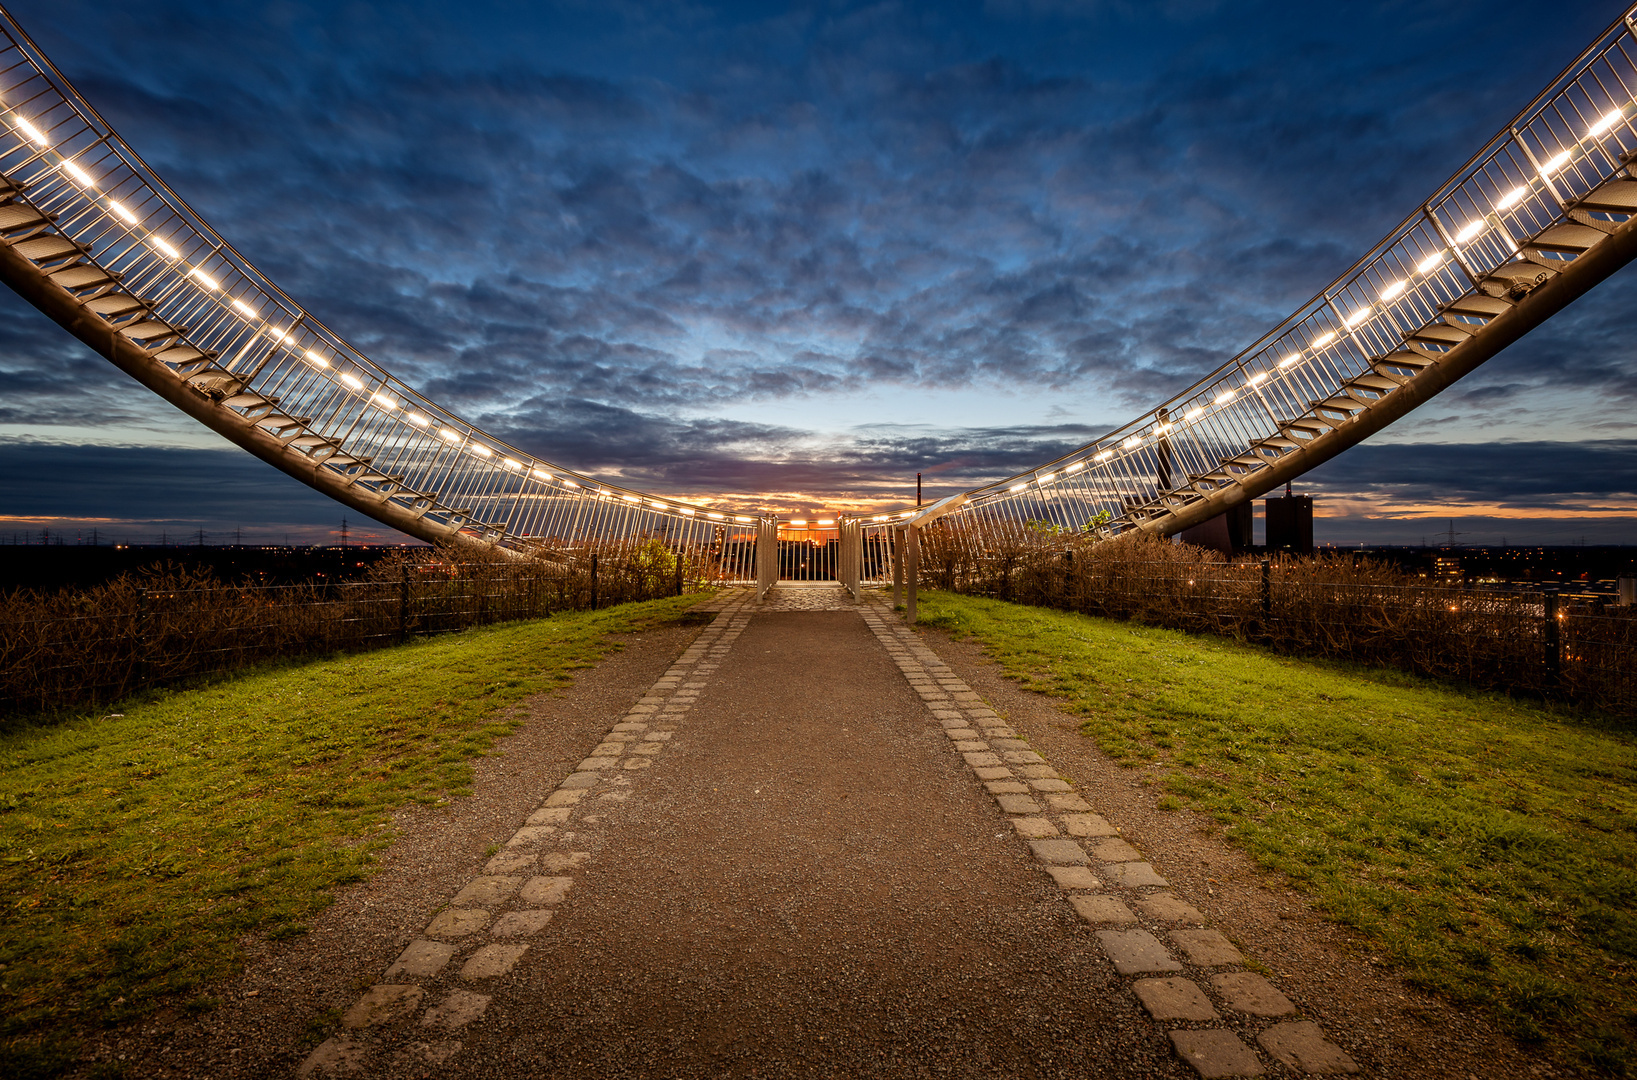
[(1485, 847), (135, 852)]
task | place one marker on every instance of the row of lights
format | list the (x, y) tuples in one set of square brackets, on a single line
[(287, 338), (1352, 321)]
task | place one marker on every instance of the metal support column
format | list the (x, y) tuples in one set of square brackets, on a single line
[(912, 571), (767, 556)]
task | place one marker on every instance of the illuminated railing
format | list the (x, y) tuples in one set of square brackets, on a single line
[(1509, 220), (96, 221)]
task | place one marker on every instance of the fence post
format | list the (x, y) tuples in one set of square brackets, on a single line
[(679, 571), (1267, 596), (593, 581), (912, 574), (896, 539), (403, 605), (141, 647), (1553, 639)]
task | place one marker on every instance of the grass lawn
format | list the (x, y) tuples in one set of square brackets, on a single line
[(1486, 847), (134, 852)]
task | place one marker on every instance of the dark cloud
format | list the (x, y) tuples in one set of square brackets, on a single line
[(613, 233)]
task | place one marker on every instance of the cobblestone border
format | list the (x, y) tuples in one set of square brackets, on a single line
[(487, 924), (1157, 942)]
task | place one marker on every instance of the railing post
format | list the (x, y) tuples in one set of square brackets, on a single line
[(403, 606), (679, 571), (593, 581), (1267, 595), (1553, 640), (912, 572), (896, 539)]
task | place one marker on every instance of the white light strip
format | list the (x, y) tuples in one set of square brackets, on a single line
[(31, 131), (205, 279), (80, 174), (1430, 263), (447, 434), (1324, 339), (1469, 230), (383, 401), (1394, 289), (164, 247), (317, 359), (244, 308), (1356, 317), (120, 209), (352, 380), (1511, 198), (1554, 164), (1610, 118), (482, 451)]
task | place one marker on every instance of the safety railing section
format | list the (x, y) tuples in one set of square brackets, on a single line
[(81, 647), (91, 215), (1519, 641), (1544, 191)]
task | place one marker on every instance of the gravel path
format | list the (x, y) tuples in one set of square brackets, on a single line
[(799, 850)]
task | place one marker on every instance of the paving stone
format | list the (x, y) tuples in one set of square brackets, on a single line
[(1010, 744), (966, 696), (1074, 877), (1086, 825), (618, 738), (545, 891), (555, 862), (631, 725), (611, 748), (457, 1010), (1206, 947), (531, 834), (458, 922), (1216, 1053), (1115, 851), (486, 891), (1034, 828), (1050, 785), (510, 862), (1248, 992), (982, 761), (564, 798), (638, 762), (421, 959), (598, 764), (995, 730), (1035, 772), (1173, 999), (1006, 787), (993, 772), (662, 736), (1163, 907), (642, 710), (1105, 910), (340, 1056), (1301, 1045), (492, 961), (1133, 951), (1017, 804), (958, 729), (521, 923), (649, 748), (1056, 851), (1023, 757), (983, 711), (552, 816), (577, 780), (382, 1004), (968, 745), (1132, 875), (1068, 804)]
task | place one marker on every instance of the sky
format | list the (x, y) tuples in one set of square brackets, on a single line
[(790, 255)]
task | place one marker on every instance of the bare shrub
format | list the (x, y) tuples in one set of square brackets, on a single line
[(1334, 606)]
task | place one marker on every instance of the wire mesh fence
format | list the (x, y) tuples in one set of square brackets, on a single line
[(75, 648), (1524, 642)]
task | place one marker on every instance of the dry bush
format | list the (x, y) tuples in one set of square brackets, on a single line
[(169, 623), (1333, 606)]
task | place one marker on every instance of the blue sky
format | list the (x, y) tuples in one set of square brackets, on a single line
[(795, 254)]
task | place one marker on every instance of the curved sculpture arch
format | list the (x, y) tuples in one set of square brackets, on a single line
[(91, 236)]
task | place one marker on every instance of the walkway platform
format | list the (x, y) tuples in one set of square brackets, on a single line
[(810, 849)]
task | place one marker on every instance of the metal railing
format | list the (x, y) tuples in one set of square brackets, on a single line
[(1512, 219)]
